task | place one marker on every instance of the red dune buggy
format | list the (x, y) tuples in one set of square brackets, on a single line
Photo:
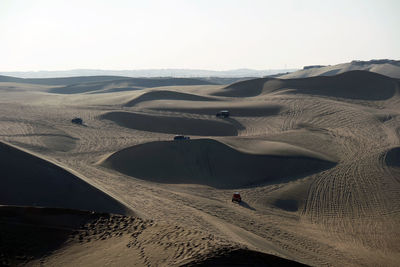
[(236, 197)]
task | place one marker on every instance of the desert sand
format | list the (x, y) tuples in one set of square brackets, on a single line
[(316, 160)]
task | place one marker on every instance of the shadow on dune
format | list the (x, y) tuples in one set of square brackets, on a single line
[(27, 233), (171, 125), (30, 233), (287, 204), (235, 123), (244, 204), (243, 257), (31, 181), (235, 111), (209, 162), (392, 157)]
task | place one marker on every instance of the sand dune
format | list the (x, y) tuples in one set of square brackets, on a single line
[(212, 163), (95, 87), (163, 100), (244, 88), (352, 85), (171, 125), (166, 95), (258, 146), (48, 185), (125, 84), (316, 161), (390, 68)]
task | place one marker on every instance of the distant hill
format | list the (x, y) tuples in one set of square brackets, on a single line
[(61, 81), (148, 73), (387, 67), (9, 79), (138, 82)]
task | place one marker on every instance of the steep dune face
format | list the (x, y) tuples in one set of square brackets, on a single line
[(361, 85), (62, 237), (31, 232), (166, 95), (210, 162), (31, 181), (171, 125)]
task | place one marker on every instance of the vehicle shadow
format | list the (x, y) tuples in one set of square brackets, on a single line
[(245, 205), (235, 123)]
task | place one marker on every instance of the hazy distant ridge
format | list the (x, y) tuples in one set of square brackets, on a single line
[(147, 73)]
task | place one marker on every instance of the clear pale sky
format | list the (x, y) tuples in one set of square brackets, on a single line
[(202, 34)]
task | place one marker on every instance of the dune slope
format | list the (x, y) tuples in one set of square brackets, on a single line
[(352, 85), (134, 83), (27, 233), (166, 95), (245, 88), (31, 181), (209, 162), (64, 237), (390, 68), (361, 85)]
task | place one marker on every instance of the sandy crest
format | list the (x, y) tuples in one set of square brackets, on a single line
[(388, 68)]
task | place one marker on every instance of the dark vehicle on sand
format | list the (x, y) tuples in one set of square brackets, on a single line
[(181, 137), (236, 197), (77, 121), (222, 114)]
